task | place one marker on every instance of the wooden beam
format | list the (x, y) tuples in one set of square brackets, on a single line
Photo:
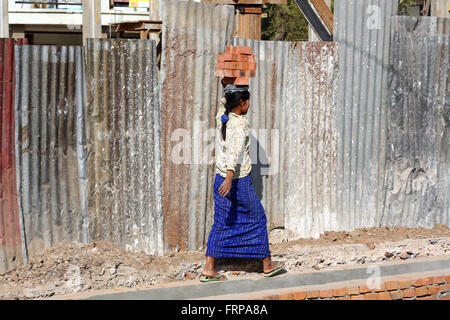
[(325, 13), (314, 21)]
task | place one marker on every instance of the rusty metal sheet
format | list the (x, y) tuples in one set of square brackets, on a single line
[(418, 159), (193, 35), (125, 192), (362, 30), (292, 120), (51, 145), (10, 237)]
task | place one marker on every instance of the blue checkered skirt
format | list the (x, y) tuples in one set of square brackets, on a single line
[(239, 229)]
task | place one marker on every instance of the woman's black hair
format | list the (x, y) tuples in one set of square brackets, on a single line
[(233, 100)]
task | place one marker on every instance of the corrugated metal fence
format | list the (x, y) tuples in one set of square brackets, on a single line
[(10, 237), (50, 145), (294, 133), (89, 160), (123, 115), (362, 29), (193, 35), (310, 166), (418, 159)]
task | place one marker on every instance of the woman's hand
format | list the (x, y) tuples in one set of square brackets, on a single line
[(225, 188)]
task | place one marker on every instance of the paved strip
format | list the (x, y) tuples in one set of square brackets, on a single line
[(286, 280)]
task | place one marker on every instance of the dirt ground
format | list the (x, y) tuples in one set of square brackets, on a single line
[(69, 268)]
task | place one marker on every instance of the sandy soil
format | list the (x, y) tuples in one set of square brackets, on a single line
[(69, 268)]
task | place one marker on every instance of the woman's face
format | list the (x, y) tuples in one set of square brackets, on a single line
[(245, 105)]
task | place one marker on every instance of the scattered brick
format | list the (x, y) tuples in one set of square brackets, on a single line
[(312, 294), (421, 291), (326, 293), (444, 298), (447, 279), (299, 295), (339, 292), (396, 295), (391, 285), (358, 297), (409, 293)]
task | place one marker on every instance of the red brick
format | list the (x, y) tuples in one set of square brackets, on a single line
[(396, 295), (444, 298), (422, 281), (312, 294), (274, 297), (339, 292), (300, 295), (371, 296), (364, 289), (342, 298), (404, 284), (409, 293), (433, 290), (352, 290), (421, 291), (447, 279), (358, 297), (444, 288), (391, 285), (439, 279), (326, 293), (239, 49), (380, 288), (384, 295), (427, 298), (286, 296)]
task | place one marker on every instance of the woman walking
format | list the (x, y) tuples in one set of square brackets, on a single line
[(239, 229)]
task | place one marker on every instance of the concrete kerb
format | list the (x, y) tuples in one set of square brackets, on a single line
[(196, 290)]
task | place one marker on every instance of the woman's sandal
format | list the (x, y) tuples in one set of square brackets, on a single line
[(275, 271), (216, 278)]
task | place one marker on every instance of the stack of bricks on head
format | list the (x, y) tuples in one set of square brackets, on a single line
[(238, 63)]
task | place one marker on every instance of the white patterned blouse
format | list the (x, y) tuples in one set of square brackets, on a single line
[(233, 153)]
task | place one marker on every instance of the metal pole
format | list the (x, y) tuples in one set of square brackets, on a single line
[(92, 20), (155, 9)]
